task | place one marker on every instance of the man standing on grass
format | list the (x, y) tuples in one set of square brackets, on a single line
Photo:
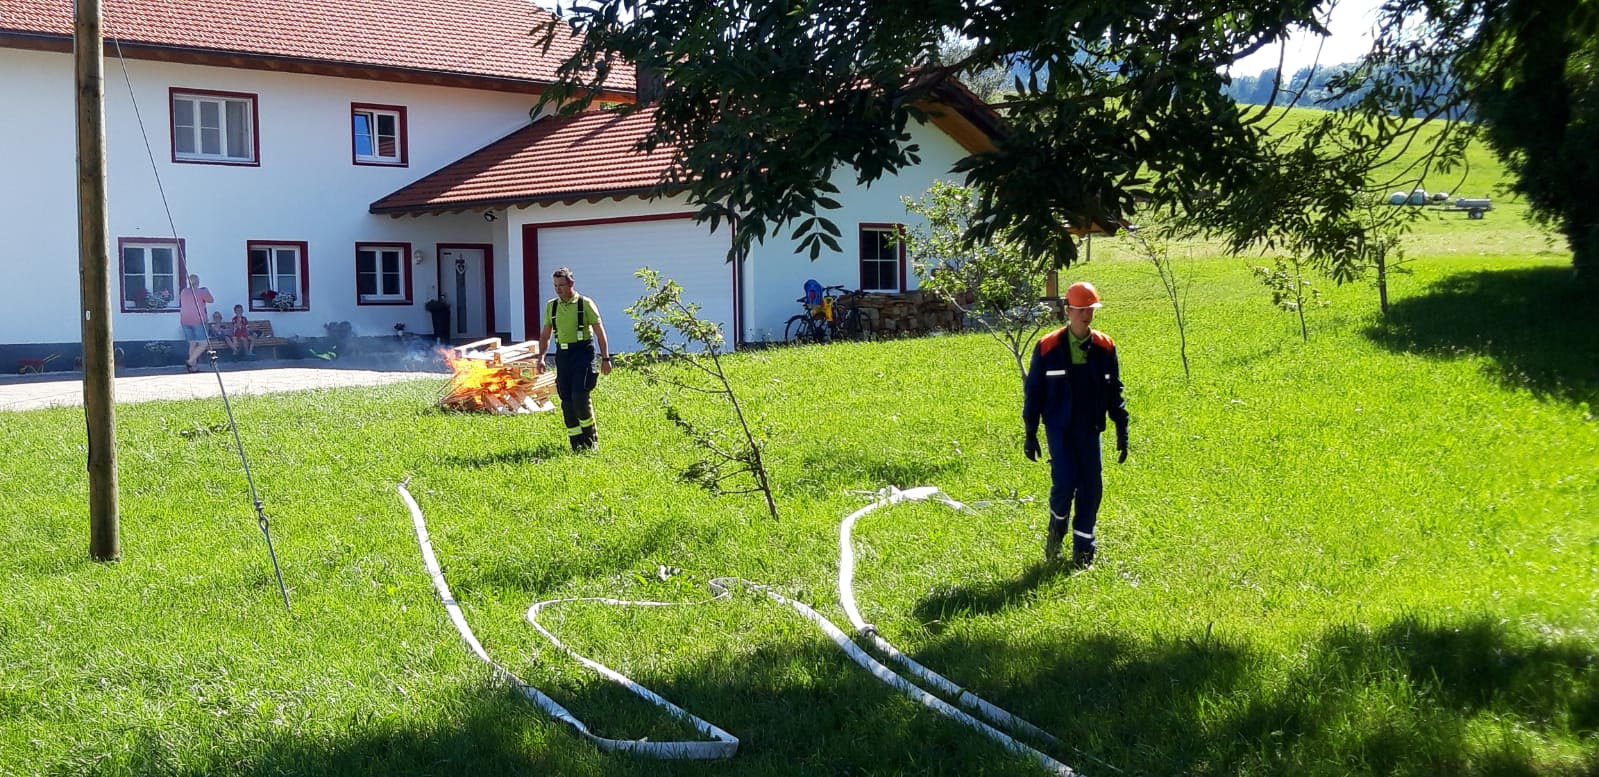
[(574, 320), (1073, 383)]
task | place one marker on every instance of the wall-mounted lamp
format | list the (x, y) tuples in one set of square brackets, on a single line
[(419, 256), (489, 216)]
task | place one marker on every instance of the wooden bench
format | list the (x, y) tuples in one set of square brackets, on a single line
[(260, 333)]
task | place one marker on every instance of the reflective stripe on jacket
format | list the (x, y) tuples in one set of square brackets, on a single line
[(1047, 391)]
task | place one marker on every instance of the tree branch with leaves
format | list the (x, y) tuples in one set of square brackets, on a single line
[(1119, 112), (683, 352), (995, 284)]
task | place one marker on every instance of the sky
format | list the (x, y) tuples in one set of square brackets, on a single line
[(1351, 27)]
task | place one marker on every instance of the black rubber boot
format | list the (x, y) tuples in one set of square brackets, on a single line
[(576, 440), (1082, 559), (1053, 537)]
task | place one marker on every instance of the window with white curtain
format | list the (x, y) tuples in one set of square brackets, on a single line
[(217, 127)]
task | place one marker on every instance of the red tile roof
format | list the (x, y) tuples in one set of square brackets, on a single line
[(555, 158), (482, 38), (590, 155)]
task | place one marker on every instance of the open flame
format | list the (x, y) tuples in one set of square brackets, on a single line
[(503, 380), (472, 376)]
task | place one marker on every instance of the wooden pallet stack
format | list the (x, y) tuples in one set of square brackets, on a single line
[(503, 380)]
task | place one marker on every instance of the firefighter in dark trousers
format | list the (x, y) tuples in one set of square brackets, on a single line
[(574, 320), (1074, 382)]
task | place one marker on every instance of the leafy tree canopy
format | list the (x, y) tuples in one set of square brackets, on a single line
[(1533, 80), (995, 284), (1123, 110)]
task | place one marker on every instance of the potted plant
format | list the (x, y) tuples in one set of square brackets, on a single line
[(158, 353), (281, 301), (338, 340), (439, 309), (158, 300)]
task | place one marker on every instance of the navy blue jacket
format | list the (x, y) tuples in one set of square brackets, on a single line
[(1047, 393)]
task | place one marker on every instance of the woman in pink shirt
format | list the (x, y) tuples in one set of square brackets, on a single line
[(191, 315)]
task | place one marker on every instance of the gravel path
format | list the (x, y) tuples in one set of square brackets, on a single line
[(29, 392)]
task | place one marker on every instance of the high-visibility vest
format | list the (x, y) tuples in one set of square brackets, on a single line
[(582, 309)]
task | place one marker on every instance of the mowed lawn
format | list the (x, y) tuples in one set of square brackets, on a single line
[(1373, 553)]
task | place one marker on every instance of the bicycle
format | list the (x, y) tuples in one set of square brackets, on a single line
[(838, 315), (815, 325), (848, 321)]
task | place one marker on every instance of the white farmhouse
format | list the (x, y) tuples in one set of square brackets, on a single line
[(365, 158)]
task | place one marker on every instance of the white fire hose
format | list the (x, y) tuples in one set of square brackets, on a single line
[(846, 596), (725, 744)]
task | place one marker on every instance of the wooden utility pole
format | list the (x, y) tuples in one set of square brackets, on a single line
[(94, 284)]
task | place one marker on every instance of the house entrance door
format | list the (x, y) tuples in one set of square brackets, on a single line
[(466, 273)]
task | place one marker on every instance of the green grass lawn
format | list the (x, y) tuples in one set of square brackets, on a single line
[(1375, 553)]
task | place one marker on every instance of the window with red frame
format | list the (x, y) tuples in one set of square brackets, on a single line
[(882, 257), (278, 273), (213, 127), (150, 271), (378, 134), (382, 274)]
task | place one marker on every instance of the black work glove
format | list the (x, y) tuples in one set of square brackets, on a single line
[(1121, 443), (1031, 447)]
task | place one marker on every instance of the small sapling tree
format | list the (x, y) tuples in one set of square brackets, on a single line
[(1290, 290), (683, 352), (1159, 255), (1378, 245), (994, 283)]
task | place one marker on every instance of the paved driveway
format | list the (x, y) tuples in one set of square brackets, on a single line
[(29, 392)]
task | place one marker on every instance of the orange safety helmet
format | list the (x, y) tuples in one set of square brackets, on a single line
[(1082, 294)]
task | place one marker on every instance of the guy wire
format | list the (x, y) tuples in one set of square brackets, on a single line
[(260, 514), (255, 499)]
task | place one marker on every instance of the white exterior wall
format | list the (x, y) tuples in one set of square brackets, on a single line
[(775, 275), (38, 198), (306, 188)]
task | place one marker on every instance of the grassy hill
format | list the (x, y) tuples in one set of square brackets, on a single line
[(1373, 553)]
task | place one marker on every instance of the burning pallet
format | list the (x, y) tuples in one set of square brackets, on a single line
[(490, 378)]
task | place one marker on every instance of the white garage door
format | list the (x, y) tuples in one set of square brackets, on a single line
[(605, 256)]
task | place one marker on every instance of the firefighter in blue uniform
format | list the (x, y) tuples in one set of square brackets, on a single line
[(573, 321), (1073, 383)]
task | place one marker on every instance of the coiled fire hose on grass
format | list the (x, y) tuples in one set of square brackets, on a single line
[(846, 596), (725, 745)]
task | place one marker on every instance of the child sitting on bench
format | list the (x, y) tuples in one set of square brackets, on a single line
[(239, 335)]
